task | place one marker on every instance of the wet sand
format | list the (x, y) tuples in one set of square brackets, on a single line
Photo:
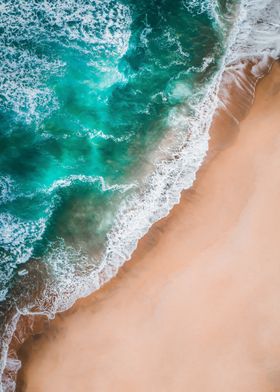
[(198, 307)]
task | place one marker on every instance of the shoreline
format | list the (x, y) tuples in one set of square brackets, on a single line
[(246, 40), (128, 275)]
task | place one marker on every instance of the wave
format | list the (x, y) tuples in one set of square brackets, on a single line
[(210, 6), (8, 187), (255, 34), (63, 183), (95, 134), (17, 238)]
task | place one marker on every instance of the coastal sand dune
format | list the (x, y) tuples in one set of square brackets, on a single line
[(198, 307)]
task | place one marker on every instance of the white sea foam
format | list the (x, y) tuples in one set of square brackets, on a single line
[(17, 237), (22, 83), (7, 188), (211, 7), (7, 384), (255, 34), (95, 134), (103, 25), (68, 181)]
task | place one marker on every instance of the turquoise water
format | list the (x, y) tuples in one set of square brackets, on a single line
[(87, 89)]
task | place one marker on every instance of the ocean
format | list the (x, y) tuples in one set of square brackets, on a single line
[(105, 107)]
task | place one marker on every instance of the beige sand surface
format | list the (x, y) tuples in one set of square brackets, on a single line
[(198, 309)]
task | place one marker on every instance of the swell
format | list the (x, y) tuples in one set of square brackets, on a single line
[(246, 60)]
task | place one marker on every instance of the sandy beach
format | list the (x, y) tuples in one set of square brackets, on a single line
[(197, 309)]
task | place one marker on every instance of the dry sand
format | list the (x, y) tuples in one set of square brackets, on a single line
[(198, 308)]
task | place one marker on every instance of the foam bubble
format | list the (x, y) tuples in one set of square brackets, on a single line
[(7, 187), (95, 134), (68, 181), (22, 83), (17, 236), (257, 32), (211, 7)]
